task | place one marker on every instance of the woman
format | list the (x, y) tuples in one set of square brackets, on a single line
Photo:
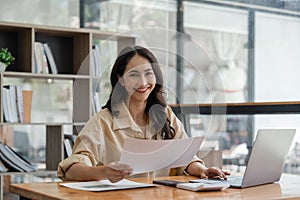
[(136, 108)]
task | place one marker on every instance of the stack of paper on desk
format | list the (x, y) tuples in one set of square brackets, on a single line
[(151, 155), (105, 185)]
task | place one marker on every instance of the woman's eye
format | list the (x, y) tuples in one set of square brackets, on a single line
[(133, 75), (149, 73)]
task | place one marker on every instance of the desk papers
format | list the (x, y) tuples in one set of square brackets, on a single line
[(151, 155), (105, 185)]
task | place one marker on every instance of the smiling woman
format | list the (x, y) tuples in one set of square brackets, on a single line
[(137, 109)]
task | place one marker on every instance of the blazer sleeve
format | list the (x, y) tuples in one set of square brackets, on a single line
[(86, 149)]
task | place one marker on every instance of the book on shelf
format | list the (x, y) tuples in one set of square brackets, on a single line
[(10, 103), (13, 161), (50, 58), (96, 63), (5, 104), (6, 94), (3, 168), (41, 62), (20, 103), (13, 107), (13, 103), (69, 140), (93, 63), (13, 99)]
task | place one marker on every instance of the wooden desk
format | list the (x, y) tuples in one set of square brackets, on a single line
[(287, 188)]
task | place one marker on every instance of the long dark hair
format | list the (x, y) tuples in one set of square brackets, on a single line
[(156, 103)]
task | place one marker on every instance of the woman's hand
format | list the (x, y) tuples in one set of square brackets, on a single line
[(198, 169), (214, 172), (115, 172)]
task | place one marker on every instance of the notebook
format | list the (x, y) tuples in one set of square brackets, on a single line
[(266, 161)]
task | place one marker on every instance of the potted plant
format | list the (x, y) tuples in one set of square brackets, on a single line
[(6, 58)]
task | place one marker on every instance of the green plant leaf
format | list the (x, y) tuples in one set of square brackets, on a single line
[(6, 57)]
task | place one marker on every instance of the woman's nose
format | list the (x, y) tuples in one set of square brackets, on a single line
[(142, 80)]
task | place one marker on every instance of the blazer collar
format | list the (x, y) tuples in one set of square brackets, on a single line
[(123, 120)]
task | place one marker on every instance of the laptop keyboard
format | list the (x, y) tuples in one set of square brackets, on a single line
[(235, 180)]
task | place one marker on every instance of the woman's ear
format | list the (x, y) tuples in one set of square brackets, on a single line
[(120, 79)]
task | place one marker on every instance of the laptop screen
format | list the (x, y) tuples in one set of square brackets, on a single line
[(268, 156)]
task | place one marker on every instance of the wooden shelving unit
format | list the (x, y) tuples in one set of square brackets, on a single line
[(71, 49)]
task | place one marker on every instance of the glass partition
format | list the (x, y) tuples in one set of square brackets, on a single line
[(233, 137), (277, 51), (224, 43)]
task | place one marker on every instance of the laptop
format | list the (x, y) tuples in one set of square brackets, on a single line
[(266, 160)]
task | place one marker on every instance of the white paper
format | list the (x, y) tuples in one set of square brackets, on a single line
[(105, 185), (151, 155)]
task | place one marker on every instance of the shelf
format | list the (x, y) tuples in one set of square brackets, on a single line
[(43, 76), (42, 123), (249, 108), (39, 172)]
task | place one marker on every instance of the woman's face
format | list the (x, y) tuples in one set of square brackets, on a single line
[(139, 79)]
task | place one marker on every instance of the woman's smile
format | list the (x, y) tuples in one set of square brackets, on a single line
[(143, 89)]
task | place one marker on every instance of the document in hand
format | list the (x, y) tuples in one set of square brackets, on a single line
[(151, 155), (105, 185)]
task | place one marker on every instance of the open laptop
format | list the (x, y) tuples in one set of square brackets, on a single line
[(267, 159)]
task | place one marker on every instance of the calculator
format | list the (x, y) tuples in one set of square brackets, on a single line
[(201, 186)]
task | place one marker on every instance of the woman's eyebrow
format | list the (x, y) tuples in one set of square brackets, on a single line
[(149, 69), (136, 71), (133, 71)]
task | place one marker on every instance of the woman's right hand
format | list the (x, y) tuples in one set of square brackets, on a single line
[(115, 171)]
